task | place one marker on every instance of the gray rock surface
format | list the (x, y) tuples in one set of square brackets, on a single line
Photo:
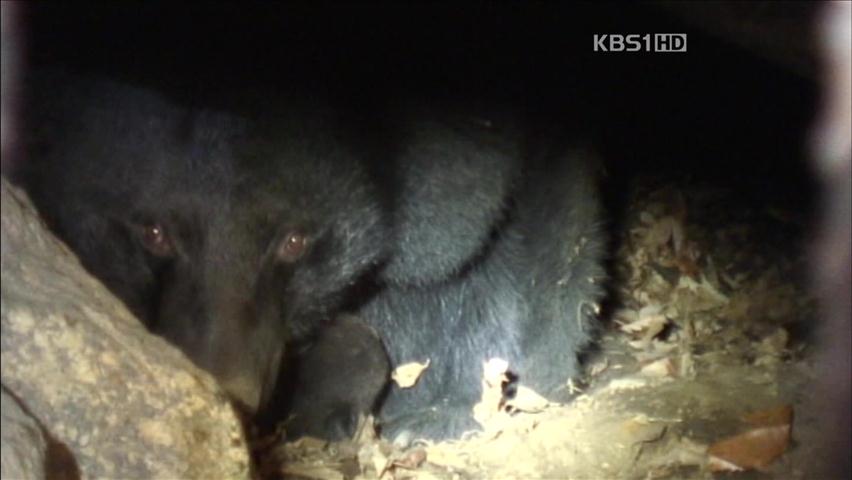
[(124, 403)]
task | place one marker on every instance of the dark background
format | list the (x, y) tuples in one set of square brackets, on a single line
[(719, 112)]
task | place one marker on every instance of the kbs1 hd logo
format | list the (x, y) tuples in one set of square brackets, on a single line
[(657, 42)]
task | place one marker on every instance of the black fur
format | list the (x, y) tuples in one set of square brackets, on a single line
[(456, 235), (110, 162), (498, 254)]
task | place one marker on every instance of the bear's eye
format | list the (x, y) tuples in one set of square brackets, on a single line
[(292, 247), (156, 240)]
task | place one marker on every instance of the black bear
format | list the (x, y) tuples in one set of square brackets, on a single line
[(492, 246), (293, 239), (232, 259), (497, 251)]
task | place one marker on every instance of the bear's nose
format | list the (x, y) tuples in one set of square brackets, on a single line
[(251, 392), (244, 391)]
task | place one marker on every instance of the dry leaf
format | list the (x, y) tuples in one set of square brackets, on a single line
[(649, 319), (494, 371), (380, 462), (528, 400), (365, 430), (685, 262), (664, 230), (757, 447), (493, 379), (407, 374), (598, 368), (782, 415), (699, 296), (628, 383), (663, 367), (411, 459)]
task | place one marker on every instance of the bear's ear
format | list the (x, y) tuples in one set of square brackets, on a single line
[(455, 184)]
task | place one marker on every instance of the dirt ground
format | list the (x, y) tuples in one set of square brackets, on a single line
[(702, 371)]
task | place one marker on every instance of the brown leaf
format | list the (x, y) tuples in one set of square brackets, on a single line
[(782, 415), (757, 447)]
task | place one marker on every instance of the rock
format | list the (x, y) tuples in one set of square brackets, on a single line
[(124, 403), (23, 448)]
